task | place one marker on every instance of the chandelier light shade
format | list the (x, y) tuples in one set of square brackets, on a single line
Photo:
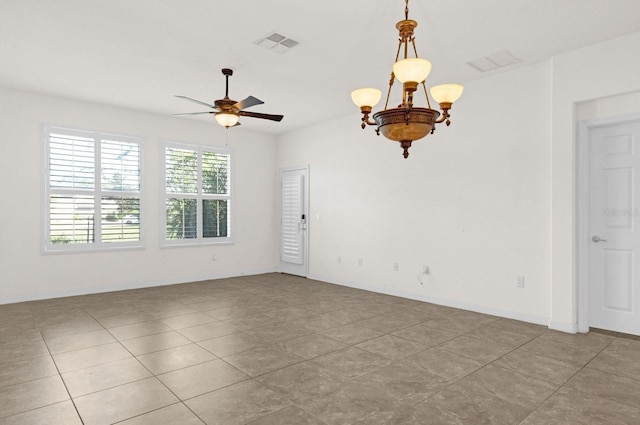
[(366, 97), (227, 119), (407, 123), (413, 70), (446, 93)]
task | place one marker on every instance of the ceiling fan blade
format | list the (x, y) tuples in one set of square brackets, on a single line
[(247, 103), (193, 113), (259, 115), (197, 101)]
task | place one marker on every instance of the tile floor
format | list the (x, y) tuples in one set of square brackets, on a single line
[(280, 350)]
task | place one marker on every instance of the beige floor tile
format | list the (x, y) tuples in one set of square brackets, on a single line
[(555, 347), (288, 416), (460, 408), (70, 327), (92, 356), (233, 312), (496, 382), (16, 372), (527, 363), (312, 345), (30, 395), (290, 313), (168, 309), (530, 329), (175, 358), (355, 404), (187, 320), (352, 333), (621, 357), (201, 378), (450, 366), (262, 360), (384, 324), (391, 347), (233, 343), (55, 414), (208, 331), (280, 331), (302, 383), (155, 342), (605, 385), (475, 349), (577, 406), (425, 335), (400, 382), (237, 404), (136, 330), (469, 368), (176, 414), (129, 318), (123, 402), (538, 418), (502, 337), (78, 341), (351, 362), (104, 376)]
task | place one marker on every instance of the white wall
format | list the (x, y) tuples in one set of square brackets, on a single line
[(596, 72), (472, 201), (27, 274)]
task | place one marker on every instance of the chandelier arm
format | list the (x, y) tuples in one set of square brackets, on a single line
[(424, 86), (391, 80), (445, 117), (392, 77)]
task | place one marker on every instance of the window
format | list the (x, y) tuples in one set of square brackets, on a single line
[(197, 201), (92, 191)]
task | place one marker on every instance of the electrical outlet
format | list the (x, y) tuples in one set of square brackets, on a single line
[(339, 258), (214, 257), (520, 281), (425, 269), (395, 267)]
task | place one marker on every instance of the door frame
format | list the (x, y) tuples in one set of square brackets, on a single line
[(583, 217), (306, 208)]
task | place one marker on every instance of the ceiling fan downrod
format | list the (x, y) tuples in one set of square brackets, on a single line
[(227, 73)]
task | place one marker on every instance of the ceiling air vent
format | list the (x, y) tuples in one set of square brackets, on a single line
[(494, 61), (277, 43)]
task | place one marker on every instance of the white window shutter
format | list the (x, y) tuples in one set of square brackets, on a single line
[(292, 210)]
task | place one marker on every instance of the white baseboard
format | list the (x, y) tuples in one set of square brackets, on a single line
[(134, 285), (538, 320), (571, 328)]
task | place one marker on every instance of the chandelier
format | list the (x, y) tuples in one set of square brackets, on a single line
[(407, 122)]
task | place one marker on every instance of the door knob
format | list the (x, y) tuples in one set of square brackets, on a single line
[(597, 238)]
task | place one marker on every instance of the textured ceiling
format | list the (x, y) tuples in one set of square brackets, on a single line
[(139, 54)]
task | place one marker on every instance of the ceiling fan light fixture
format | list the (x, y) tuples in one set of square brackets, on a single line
[(227, 119)]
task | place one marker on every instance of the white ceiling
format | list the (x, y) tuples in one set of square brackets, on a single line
[(138, 54)]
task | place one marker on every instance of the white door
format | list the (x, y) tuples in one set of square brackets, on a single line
[(294, 217), (614, 238)]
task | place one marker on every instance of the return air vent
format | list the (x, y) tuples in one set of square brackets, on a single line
[(494, 61), (277, 43)]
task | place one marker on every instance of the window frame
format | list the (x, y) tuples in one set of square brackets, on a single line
[(97, 192), (199, 240)]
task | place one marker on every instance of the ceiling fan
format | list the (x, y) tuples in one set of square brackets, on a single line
[(227, 111)]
